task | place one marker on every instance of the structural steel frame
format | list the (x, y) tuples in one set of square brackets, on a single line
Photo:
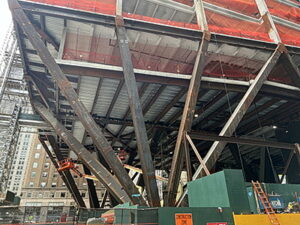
[(136, 112), (101, 173), (67, 90), (189, 109), (38, 36), (65, 175)]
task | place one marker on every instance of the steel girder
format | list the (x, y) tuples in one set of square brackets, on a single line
[(81, 111), (102, 174), (65, 176), (232, 123), (229, 128), (189, 109), (137, 116)]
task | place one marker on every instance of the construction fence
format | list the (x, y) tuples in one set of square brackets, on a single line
[(57, 215)]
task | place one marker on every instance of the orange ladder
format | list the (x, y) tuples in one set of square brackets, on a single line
[(266, 203)]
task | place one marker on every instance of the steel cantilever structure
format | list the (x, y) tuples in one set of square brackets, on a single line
[(134, 79), (68, 91)]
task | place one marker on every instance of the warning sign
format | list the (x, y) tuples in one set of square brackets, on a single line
[(184, 219)]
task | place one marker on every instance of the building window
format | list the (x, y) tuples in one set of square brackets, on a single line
[(55, 175), (38, 146), (52, 194), (33, 174), (63, 194), (40, 195), (29, 195), (63, 184), (53, 185), (56, 204), (83, 194), (46, 194), (47, 165), (43, 184), (35, 165), (45, 174), (31, 184), (37, 155)]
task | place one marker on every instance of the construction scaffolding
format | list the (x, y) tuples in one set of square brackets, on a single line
[(12, 97)]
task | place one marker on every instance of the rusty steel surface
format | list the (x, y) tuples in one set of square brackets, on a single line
[(143, 147), (68, 91), (102, 174)]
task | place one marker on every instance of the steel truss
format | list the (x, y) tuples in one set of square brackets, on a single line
[(121, 186)]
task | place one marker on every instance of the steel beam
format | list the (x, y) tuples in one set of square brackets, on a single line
[(81, 111), (141, 93), (65, 176), (187, 119), (268, 21), (65, 13), (275, 36), (292, 70), (137, 116), (241, 140), (298, 153), (93, 198), (270, 88), (187, 159), (275, 175), (241, 109), (103, 201), (148, 106), (101, 173), (197, 154), (287, 165)]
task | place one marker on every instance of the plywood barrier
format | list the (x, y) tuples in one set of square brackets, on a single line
[(262, 219)]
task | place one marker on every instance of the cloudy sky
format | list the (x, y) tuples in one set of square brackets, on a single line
[(5, 18)]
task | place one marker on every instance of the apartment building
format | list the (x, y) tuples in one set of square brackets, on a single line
[(20, 160)]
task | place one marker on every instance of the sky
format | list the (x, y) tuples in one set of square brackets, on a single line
[(5, 19)]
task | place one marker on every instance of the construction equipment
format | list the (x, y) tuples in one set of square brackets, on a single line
[(265, 202), (70, 164)]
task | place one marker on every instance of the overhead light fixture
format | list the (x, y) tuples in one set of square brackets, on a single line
[(274, 127)]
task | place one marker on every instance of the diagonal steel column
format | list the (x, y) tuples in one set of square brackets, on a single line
[(65, 176), (186, 120), (234, 120), (137, 116), (93, 198), (231, 125), (72, 97), (102, 174), (267, 18), (189, 107)]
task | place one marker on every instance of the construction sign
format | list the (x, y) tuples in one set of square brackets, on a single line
[(184, 219)]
